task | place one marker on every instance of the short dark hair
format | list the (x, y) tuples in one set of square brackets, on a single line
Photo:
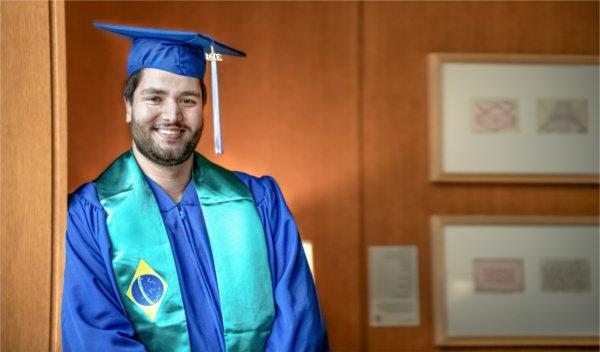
[(131, 84), (133, 81)]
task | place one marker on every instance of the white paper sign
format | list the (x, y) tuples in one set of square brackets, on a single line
[(393, 286)]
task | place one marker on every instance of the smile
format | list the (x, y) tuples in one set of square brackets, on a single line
[(169, 132)]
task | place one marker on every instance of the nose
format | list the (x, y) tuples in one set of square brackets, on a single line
[(172, 111)]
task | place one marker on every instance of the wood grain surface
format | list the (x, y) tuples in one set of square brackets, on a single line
[(399, 199), (332, 101), (26, 176), (289, 109), (59, 166)]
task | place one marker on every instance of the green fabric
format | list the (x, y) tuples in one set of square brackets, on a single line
[(137, 232), (237, 242)]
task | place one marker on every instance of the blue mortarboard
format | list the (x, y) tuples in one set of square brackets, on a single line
[(182, 53)]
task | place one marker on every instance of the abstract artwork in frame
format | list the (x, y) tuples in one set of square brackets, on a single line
[(514, 118), (515, 281)]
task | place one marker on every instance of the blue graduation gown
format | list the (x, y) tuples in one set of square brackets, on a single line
[(93, 317)]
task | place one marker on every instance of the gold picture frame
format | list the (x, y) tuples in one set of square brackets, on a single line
[(509, 314), (511, 118)]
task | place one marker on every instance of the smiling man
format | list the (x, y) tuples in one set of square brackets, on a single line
[(167, 251)]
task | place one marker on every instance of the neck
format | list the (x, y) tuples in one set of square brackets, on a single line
[(173, 179)]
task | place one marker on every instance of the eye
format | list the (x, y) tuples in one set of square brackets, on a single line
[(154, 99), (188, 101)]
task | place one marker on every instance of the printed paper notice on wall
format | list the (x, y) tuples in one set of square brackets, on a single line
[(393, 286)]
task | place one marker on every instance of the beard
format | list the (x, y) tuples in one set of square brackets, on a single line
[(175, 155)]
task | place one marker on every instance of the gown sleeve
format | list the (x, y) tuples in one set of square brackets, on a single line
[(298, 324), (93, 317)]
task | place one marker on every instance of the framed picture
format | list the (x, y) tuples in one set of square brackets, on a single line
[(514, 118), (515, 281)]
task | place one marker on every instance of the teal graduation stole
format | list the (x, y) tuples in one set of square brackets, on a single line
[(144, 266)]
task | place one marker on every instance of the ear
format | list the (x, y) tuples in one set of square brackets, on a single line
[(128, 110)]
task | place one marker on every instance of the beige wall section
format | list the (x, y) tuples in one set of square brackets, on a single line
[(398, 196), (26, 176), (289, 110)]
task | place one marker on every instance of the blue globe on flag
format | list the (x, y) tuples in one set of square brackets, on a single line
[(147, 290)]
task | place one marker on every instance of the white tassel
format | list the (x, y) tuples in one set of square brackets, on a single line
[(215, 101)]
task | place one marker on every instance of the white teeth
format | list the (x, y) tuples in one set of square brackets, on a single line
[(171, 132)]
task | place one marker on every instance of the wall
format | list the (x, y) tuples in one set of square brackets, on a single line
[(332, 101), (398, 199), (33, 180), (288, 110)]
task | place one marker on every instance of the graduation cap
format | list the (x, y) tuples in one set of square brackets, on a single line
[(182, 53)]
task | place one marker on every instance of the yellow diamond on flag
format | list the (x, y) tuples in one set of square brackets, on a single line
[(147, 289)]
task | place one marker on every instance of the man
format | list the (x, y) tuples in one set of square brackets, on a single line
[(166, 251)]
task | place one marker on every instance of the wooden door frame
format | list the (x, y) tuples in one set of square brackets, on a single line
[(59, 165)]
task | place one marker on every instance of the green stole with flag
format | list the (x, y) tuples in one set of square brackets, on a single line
[(144, 266)]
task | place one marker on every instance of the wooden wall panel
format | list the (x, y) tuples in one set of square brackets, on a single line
[(59, 166), (398, 199), (289, 110), (26, 176), (332, 100)]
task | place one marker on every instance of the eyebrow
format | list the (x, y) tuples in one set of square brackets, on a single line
[(153, 91), (190, 93), (164, 92)]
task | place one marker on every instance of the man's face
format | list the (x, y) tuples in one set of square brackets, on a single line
[(165, 116)]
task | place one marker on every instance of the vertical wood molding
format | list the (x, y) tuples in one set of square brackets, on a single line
[(360, 158), (59, 165), (26, 169)]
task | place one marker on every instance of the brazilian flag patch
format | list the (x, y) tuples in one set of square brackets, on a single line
[(147, 289)]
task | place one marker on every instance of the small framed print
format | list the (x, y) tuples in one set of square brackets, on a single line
[(498, 274), (515, 281), (514, 118)]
